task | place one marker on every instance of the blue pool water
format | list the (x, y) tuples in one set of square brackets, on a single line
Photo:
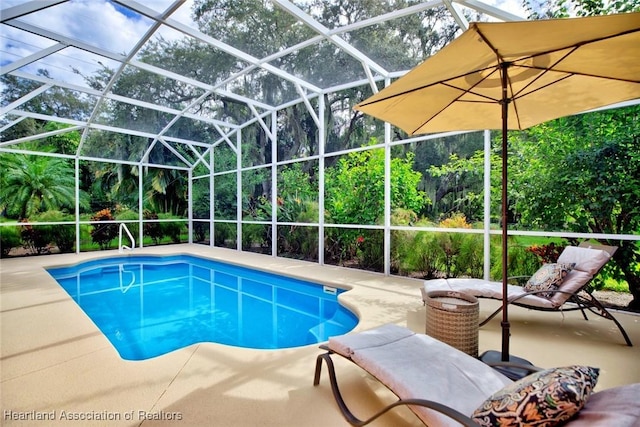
[(149, 305)]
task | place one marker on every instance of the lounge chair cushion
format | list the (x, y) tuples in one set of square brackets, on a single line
[(347, 345), (548, 278), (616, 406), (585, 259), (588, 262), (571, 284), (485, 289), (419, 366), (546, 398)]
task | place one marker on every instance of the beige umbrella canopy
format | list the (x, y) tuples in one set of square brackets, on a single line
[(513, 75), (554, 68)]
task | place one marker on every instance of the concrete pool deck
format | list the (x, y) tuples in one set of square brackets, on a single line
[(56, 364)]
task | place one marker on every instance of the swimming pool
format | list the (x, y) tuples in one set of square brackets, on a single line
[(151, 305)]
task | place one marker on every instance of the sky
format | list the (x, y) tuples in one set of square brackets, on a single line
[(113, 28)]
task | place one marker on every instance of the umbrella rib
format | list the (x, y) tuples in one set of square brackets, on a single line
[(487, 97), (457, 98), (418, 88)]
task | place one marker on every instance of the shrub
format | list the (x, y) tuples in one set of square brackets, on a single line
[(370, 250), (224, 234), (172, 229), (200, 231), (256, 234), (63, 236), (418, 252), (35, 238), (9, 239), (546, 253), (103, 234), (126, 215), (521, 262), (457, 248), (152, 229), (470, 259)]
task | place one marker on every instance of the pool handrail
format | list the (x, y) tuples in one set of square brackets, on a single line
[(120, 245)]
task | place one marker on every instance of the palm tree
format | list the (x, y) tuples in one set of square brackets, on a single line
[(33, 184)]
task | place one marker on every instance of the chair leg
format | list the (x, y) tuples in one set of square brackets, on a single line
[(590, 303), (352, 419), (316, 377), (602, 311), (355, 421), (580, 302)]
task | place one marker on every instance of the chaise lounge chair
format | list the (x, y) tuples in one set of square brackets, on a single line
[(572, 292), (444, 386)]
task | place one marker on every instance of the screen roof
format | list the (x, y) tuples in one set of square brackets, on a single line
[(177, 66)]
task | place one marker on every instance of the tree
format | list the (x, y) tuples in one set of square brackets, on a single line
[(32, 184), (355, 187), (582, 173)]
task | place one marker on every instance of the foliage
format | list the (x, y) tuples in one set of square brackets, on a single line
[(354, 190), (355, 187), (166, 191), (461, 187), (523, 263), (200, 231), (9, 239), (225, 234), (225, 197), (103, 234), (31, 184), (298, 242), (125, 215), (152, 227), (34, 238), (440, 254), (418, 252), (459, 251), (171, 229), (256, 238), (63, 236), (547, 254), (542, 9), (580, 174), (297, 183)]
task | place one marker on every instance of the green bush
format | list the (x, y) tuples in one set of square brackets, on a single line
[(255, 235), (63, 236), (103, 234), (298, 242), (461, 253), (9, 239), (133, 227), (354, 187), (470, 259), (224, 234), (173, 229), (521, 262), (152, 229), (370, 250), (35, 238), (200, 231), (416, 252)]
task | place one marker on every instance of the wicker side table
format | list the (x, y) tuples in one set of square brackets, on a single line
[(453, 317)]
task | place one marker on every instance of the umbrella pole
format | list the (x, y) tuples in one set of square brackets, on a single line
[(505, 300)]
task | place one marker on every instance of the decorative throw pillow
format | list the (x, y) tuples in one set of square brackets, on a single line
[(544, 399), (548, 278)]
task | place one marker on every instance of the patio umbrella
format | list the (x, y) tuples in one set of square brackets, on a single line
[(513, 75)]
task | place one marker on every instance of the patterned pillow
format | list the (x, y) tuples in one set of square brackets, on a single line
[(544, 399), (548, 278)]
